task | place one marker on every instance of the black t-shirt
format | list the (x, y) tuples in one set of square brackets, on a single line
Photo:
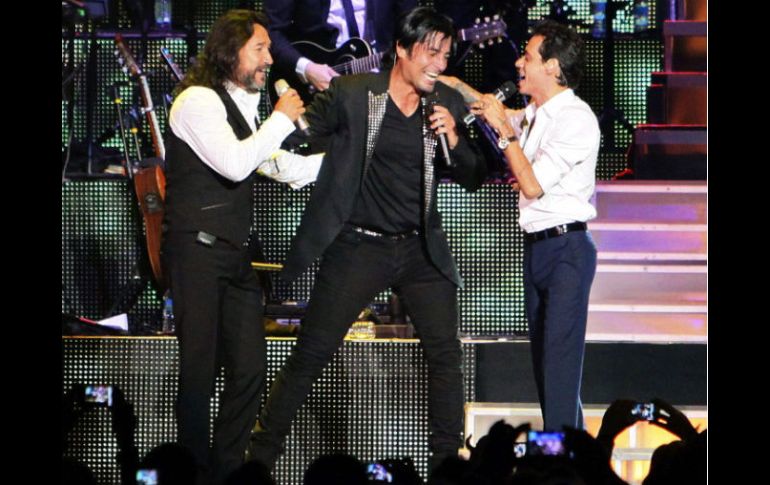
[(391, 192)]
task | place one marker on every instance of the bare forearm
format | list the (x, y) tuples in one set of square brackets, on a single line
[(522, 170), (469, 94)]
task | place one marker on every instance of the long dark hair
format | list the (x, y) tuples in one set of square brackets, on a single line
[(219, 58)]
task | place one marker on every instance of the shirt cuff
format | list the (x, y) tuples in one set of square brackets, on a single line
[(302, 63), (291, 168)]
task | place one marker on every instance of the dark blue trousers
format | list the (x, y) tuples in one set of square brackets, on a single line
[(354, 269), (558, 273)]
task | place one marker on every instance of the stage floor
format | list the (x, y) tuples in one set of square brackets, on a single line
[(371, 400)]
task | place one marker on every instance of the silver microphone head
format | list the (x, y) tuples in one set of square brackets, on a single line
[(281, 86)]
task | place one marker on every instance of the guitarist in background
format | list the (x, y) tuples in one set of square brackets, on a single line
[(214, 146), (328, 23)]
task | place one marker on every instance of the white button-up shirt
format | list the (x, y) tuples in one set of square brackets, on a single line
[(563, 146), (199, 118)]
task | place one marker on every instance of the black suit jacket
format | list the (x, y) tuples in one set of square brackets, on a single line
[(293, 20), (350, 113)]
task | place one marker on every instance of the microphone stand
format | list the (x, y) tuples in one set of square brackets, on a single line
[(132, 290), (609, 113), (117, 101)]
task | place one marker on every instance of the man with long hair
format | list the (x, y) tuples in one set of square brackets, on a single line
[(214, 150)]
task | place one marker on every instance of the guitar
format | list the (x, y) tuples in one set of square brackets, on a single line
[(149, 183), (356, 56), (176, 73)]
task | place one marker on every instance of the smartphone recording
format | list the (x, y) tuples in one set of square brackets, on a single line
[(542, 443), (98, 395)]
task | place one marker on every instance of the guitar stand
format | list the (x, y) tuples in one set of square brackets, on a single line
[(140, 275)]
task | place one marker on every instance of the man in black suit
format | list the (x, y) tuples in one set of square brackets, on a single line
[(328, 23), (373, 219)]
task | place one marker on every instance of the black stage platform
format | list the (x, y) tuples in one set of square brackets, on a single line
[(370, 402)]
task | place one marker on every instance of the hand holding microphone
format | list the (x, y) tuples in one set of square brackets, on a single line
[(291, 105), (494, 113), (505, 91), (443, 124)]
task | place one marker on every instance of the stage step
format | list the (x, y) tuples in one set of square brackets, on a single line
[(645, 283), (677, 98), (633, 447), (670, 152), (692, 9), (642, 201), (645, 238), (651, 278), (684, 45), (651, 323)]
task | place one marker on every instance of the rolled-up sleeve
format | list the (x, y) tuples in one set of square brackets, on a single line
[(199, 118), (291, 168), (573, 141)]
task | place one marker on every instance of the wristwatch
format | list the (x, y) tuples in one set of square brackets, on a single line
[(503, 142)]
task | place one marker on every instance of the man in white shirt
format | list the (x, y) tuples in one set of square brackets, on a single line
[(214, 150), (551, 147)]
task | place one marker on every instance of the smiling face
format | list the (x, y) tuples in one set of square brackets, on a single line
[(535, 78), (254, 59), (421, 67)]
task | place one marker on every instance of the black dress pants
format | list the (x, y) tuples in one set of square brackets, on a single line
[(218, 311), (354, 269)]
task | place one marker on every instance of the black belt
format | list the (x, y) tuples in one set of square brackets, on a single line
[(392, 236), (555, 231)]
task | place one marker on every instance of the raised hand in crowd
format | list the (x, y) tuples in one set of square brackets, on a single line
[(590, 458), (617, 418), (671, 419)]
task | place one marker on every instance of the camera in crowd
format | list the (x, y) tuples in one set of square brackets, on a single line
[(146, 477), (97, 395), (378, 473), (545, 443), (644, 411)]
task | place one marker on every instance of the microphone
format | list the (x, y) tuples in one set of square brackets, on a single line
[(281, 86), (505, 91), (433, 101)]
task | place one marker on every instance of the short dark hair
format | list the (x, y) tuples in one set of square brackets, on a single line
[(566, 46), (420, 23), (219, 59)]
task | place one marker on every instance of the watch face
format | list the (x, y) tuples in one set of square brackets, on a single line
[(503, 143)]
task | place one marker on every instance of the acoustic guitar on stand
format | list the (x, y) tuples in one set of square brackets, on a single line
[(150, 182)]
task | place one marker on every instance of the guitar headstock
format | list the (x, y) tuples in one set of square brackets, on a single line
[(484, 32), (165, 54), (125, 58)]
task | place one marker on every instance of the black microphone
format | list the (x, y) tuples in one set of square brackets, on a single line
[(281, 86), (505, 91), (433, 101)]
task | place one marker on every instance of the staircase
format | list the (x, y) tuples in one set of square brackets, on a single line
[(650, 283), (673, 144)]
